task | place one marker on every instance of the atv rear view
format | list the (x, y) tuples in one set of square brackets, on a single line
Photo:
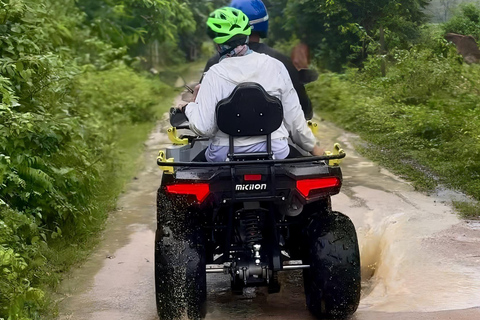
[(251, 217)]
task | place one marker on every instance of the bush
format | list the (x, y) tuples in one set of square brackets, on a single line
[(65, 101), (19, 257), (466, 21), (421, 119)]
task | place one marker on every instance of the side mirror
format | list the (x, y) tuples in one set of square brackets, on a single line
[(177, 117), (307, 75)]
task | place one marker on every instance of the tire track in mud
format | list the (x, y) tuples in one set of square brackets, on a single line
[(417, 257)]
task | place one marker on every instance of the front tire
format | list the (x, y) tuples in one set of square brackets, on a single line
[(333, 283)]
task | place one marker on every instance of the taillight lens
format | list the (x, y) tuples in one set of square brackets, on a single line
[(252, 177), (199, 190), (308, 185)]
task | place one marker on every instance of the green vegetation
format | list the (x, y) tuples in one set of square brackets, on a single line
[(397, 83), (345, 32), (422, 116), (467, 210), (421, 120), (73, 117), (76, 105), (466, 21), (440, 11)]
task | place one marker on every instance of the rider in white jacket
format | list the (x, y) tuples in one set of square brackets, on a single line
[(230, 29)]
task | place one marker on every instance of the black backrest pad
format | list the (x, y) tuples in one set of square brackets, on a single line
[(249, 111)]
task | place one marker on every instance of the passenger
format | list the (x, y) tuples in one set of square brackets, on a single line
[(258, 16), (229, 28)]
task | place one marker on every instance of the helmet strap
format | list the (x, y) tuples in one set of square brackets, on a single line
[(229, 47)]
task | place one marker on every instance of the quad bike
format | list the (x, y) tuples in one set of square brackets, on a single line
[(251, 217)]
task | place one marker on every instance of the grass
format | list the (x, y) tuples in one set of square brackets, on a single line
[(421, 121), (67, 252), (467, 210), (422, 180), (422, 177)]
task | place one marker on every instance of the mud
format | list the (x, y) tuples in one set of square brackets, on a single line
[(419, 261)]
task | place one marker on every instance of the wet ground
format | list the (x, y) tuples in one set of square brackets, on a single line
[(419, 261)]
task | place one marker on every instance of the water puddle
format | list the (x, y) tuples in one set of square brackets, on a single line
[(415, 264), (417, 257), (412, 254)]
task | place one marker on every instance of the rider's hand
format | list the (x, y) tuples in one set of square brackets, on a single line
[(181, 106), (317, 151), (195, 92)]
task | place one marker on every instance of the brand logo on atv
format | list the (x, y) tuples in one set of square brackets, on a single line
[(251, 187)]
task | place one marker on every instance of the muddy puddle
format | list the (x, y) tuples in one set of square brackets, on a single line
[(419, 261)]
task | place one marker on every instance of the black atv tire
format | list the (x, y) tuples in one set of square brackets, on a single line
[(332, 283), (180, 262)]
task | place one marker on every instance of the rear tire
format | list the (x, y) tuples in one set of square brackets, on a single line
[(332, 284), (180, 262)]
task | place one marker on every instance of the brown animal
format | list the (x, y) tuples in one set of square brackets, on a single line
[(466, 46), (301, 56)]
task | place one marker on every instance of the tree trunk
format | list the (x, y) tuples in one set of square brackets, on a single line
[(383, 51)]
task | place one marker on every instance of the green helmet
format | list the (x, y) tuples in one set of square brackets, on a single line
[(226, 23)]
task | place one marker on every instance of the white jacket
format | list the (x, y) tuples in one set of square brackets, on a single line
[(220, 81)]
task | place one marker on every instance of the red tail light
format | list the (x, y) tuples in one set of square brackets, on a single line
[(199, 190), (252, 177), (306, 186)]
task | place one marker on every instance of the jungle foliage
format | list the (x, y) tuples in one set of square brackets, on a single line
[(466, 21), (69, 93), (343, 32), (67, 97), (421, 119), (173, 29), (412, 99)]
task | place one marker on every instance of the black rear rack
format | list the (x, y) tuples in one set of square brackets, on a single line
[(250, 162)]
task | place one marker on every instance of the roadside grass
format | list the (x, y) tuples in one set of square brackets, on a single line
[(74, 245), (67, 252), (392, 158), (467, 210), (421, 121), (64, 253)]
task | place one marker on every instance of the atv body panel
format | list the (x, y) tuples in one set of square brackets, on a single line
[(252, 217)]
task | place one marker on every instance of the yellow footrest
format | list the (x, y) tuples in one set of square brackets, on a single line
[(163, 158), (337, 150)]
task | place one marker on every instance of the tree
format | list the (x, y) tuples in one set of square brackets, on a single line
[(141, 25), (128, 22), (346, 31), (278, 29), (448, 6), (192, 39), (466, 21)]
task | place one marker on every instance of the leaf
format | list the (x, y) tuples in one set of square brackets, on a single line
[(19, 66)]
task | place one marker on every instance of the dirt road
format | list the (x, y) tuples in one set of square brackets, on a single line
[(419, 261)]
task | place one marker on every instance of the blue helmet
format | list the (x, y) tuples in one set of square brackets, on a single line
[(256, 12)]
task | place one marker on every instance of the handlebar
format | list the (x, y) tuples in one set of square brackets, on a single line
[(245, 163)]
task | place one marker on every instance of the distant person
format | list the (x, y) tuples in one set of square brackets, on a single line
[(229, 28), (258, 16)]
